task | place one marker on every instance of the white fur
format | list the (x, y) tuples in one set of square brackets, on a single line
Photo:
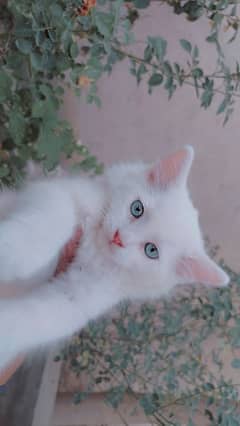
[(42, 218)]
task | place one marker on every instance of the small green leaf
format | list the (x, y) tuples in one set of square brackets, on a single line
[(167, 69), (223, 105), (186, 45), (37, 61), (79, 397), (4, 171), (52, 141), (159, 45), (45, 109), (170, 86), (208, 386), (207, 94), (148, 53), (115, 396), (178, 75), (212, 38), (56, 10), (209, 414), (104, 23), (197, 73), (235, 363), (25, 46), (148, 404), (74, 50), (17, 125), (141, 4), (195, 53), (5, 85), (142, 69), (155, 80)]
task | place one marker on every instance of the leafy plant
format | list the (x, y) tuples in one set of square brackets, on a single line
[(48, 46), (160, 354)]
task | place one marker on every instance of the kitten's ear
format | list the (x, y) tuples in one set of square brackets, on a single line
[(201, 269), (172, 169)]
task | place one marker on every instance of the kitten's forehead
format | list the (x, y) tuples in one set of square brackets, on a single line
[(127, 175), (126, 170)]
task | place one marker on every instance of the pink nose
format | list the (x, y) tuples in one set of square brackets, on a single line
[(117, 239)]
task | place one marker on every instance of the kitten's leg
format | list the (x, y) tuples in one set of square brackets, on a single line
[(42, 221), (53, 312)]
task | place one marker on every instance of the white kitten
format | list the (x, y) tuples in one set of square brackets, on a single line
[(141, 237)]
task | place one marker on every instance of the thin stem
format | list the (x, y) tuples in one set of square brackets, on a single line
[(184, 76)]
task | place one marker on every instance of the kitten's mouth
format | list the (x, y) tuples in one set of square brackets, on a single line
[(117, 239)]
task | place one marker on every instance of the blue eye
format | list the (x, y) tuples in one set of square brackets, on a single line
[(137, 209), (151, 251)]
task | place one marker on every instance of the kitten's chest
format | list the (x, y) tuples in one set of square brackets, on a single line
[(92, 253)]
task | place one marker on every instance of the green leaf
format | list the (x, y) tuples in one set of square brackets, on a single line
[(195, 53), (208, 386), (148, 404), (46, 90), (207, 94), (5, 85), (24, 45), (79, 397), (159, 46), (212, 38), (227, 115), (193, 10), (142, 69), (93, 68), (52, 141), (17, 126), (223, 105), (170, 86), (116, 395), (4, 171), (45, 109), (56, 10), (141, 4), (167, 69), (148, 53), (178, 75), (74, 50), (37, 61), (197, 73), (155, 80), (235, 363), (186, 45), (104, 22)]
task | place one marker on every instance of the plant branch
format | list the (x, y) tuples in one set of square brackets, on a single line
[(184, 77)]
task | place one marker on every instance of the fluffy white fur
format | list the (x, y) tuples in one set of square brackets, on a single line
[(38, 221)]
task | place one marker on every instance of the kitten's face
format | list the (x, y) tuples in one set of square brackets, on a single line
[(152, 227)]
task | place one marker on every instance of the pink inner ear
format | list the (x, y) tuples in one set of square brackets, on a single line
[(201, 270), (168, 170)]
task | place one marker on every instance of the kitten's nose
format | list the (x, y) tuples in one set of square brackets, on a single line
[(117, 239)]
